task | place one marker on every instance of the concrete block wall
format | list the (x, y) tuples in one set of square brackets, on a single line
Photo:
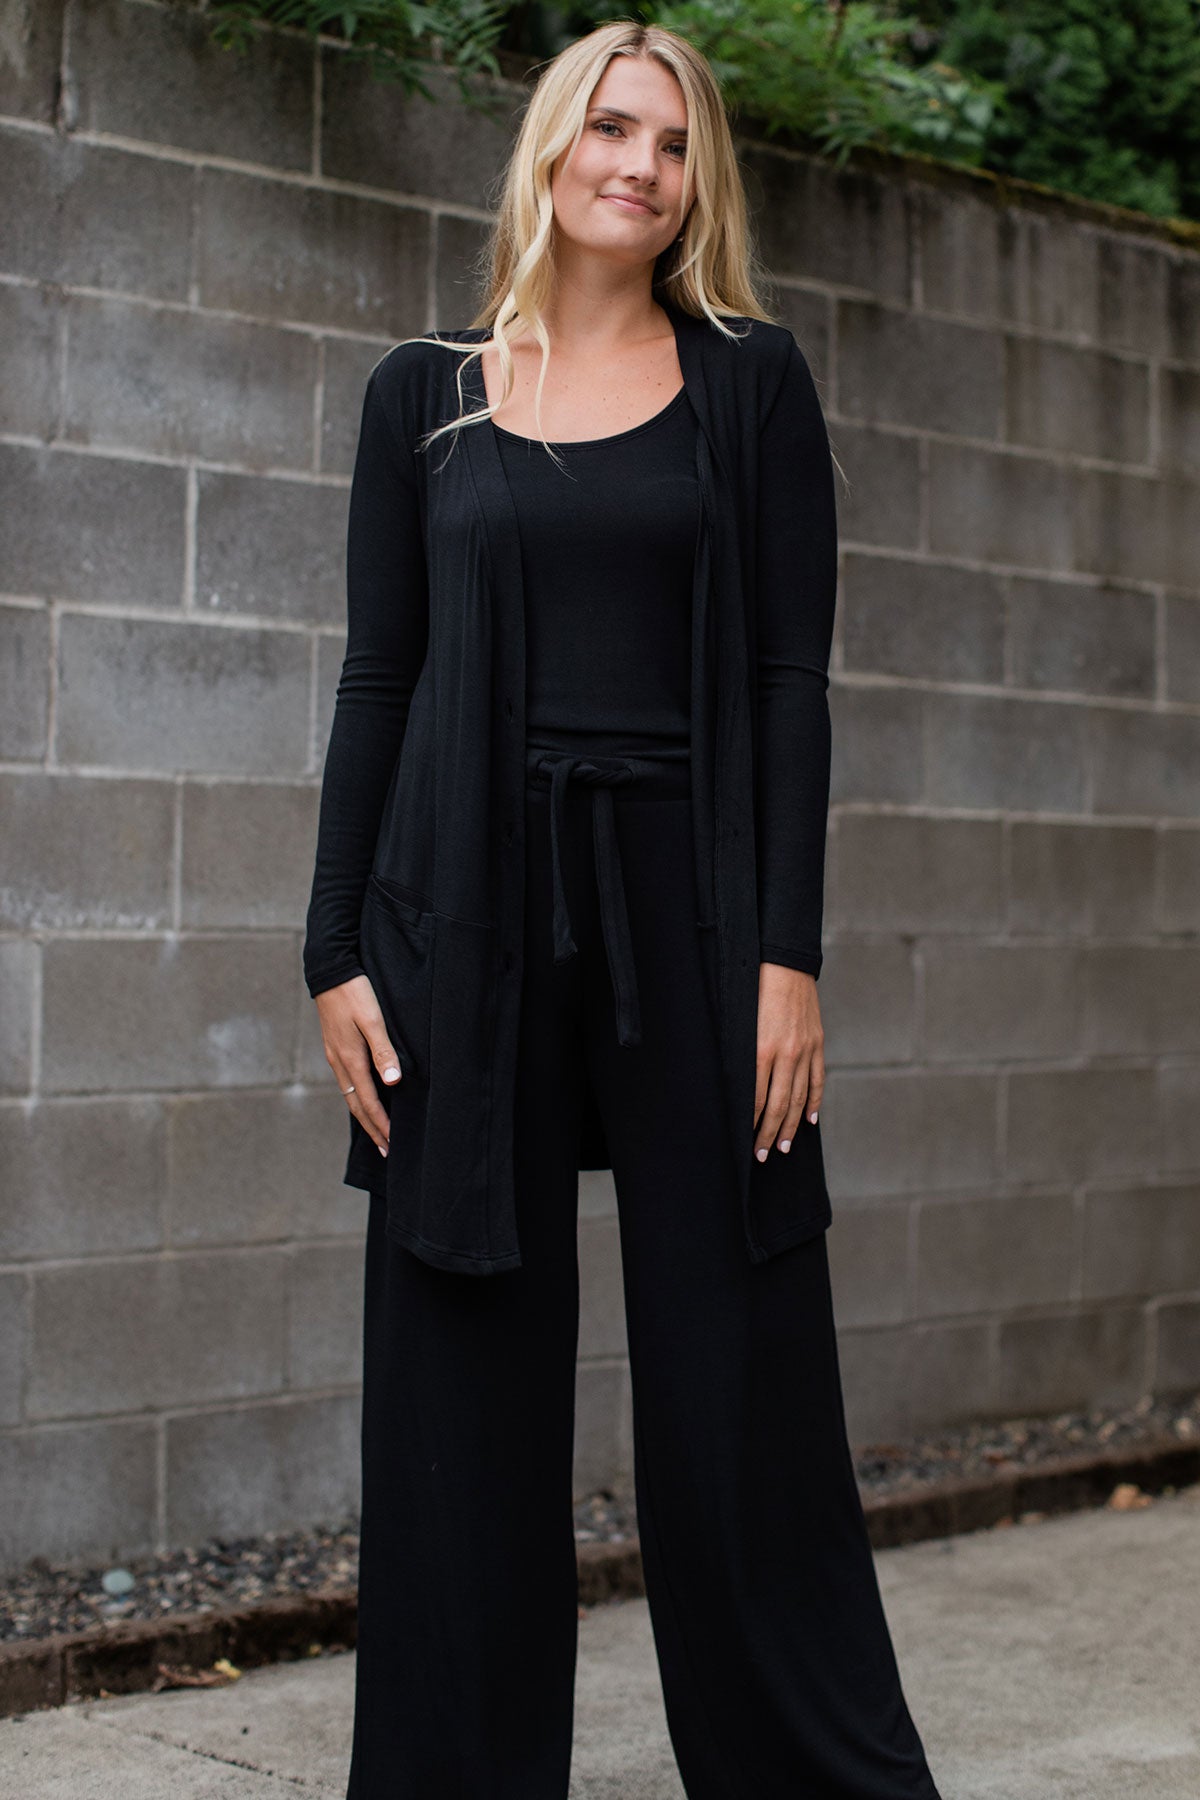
[(200, 260)]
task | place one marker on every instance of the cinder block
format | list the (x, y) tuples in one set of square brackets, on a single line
[(278, 1466), (1072, 1359), (845, 227), (601, 1294), (1003, 507), (155, 1332), (1081, 880), (1179, 1110), (597, 1194), (952, 1372), (29, 70), (966, 247), (992, 1255), (603, 1429), (927, 621), (158, 74), (1131, 295), (279, 250), (1077, 401), (252, 1168), (1141, 999), (808, 315), (869, 1264), (909, 1133), (24, 679), (1177, 1359), (902, 368), (1183, 309), (1144, 762), (164, 695), (868, 1005), (878, 751), (1073, 1125), (14, 1339), (83, 852), (331, 653), (18, 981), (81, 1177), (1130, 527), (329, 1208), (312, 1065), (28, 354), (160, 1013), (904, 872), (1081, 640), (248, 850), (91, 215), (78, 1493), (1003, 1001), (985, 751), (459, 247), (883, 503), (182, 383), (347, 364), (375, 135), (1183, 648), (1055, 265), (1141, 1241), (272, 548), (64, 528), (324, 1316), (904, 1379)]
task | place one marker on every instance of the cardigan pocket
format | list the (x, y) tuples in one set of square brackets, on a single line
[(396, 945)]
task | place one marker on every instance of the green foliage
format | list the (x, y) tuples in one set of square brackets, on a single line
[(393, 37), (1097, 97), (839, 74), (1100, 97)]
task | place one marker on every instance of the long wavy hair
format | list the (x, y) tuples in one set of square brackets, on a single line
[(711, 271)]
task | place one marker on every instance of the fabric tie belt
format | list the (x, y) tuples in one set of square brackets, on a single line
[(655, 778)]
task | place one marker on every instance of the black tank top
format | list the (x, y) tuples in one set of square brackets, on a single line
[(607, 551)]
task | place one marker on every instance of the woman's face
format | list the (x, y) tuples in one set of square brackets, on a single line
[(620, 194)]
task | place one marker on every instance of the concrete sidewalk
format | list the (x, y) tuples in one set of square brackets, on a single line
[(1057, 1660)]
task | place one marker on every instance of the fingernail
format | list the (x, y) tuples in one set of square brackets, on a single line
[(812, 1118), (382, 1149), (761, 1155), (391, 1074), (785, 1145)]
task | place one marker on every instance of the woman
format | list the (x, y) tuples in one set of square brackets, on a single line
[(566, 913)]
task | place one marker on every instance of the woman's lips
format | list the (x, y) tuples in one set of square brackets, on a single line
[(632, 205)]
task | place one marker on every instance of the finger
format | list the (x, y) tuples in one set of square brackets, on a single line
[(382, 1053), (364, 1102), (795, 1111), (775, 1110), (762, 1080), (816, 1086)]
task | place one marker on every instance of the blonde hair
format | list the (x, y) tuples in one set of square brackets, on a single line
[(711, 272)]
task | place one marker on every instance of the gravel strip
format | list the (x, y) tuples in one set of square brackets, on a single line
[(44, 1599)]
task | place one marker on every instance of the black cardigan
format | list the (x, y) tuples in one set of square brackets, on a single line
[(417, 879)]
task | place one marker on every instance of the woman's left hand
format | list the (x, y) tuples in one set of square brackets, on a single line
[(791, 1056)]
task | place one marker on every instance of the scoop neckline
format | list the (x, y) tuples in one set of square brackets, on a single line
[(614, 437)]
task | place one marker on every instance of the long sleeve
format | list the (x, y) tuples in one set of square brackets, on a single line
[(797, 585), (386, 637)]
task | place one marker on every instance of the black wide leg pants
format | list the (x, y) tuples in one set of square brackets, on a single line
[(778, 1671)]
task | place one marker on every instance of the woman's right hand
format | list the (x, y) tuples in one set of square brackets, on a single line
[(354, 1035)]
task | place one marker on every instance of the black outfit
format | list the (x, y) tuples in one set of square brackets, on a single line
[(778, 1671), (421, 861)]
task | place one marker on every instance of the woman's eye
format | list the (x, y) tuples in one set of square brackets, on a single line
[(602, 124)]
